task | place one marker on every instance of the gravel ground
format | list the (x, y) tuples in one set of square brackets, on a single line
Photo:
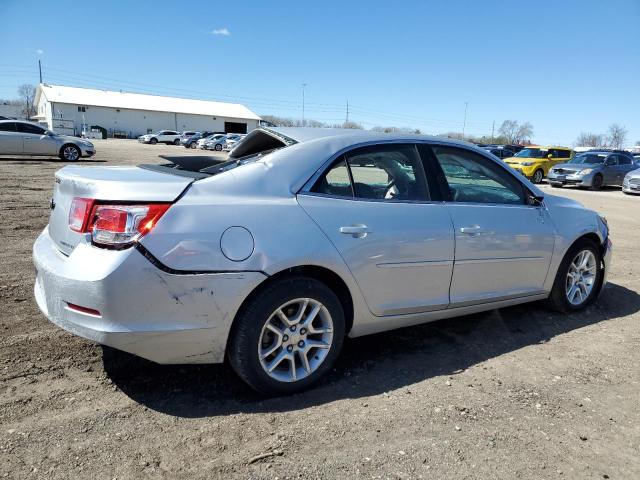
[(519, 392)]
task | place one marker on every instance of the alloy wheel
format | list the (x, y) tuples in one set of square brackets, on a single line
[(70, 153), (581, 277), (295, 340), (538, 176)]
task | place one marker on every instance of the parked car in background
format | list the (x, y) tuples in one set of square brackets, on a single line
[(500, 152), (593, 169), (534, 162), (339, 233), (231, 143), (191, 141), (161, 136), (26, 138), (631, 182), (218, 143), (211, 141)]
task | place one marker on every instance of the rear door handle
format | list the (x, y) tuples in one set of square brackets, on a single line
[(356, 231), (472, 230)]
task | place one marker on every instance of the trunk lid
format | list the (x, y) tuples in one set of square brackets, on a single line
[(117, 184)]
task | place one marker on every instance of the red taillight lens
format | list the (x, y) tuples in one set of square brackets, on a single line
[(119, 225), (79, 214), (114, 225)]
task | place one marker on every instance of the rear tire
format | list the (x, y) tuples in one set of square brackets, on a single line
[(556, 185), (538, 175), (262, 339), (596, 183), (193, 145), (572, 290)]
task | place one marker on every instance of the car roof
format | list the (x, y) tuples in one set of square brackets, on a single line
[(547, 147)]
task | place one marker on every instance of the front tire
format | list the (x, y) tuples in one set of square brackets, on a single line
[(596, 183), (193, 145), (70, 153), (153, 141), (288, 336), (579, 278), (176, 141), (218, 147), (538, 175)]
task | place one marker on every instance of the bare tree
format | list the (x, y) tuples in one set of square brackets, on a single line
[(588, 139), (353, 125), (27, 95), (617, 135), (514, 132)]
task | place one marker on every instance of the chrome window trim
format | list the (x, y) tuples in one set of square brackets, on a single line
[(308, 185)]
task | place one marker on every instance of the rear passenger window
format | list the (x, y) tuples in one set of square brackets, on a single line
[(379, 172), (335, 182), (387, 172), (624, 160), (473, 178)]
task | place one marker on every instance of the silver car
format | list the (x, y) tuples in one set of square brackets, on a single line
[(303, 237), (593, 169), (26, 138), (631, 182)]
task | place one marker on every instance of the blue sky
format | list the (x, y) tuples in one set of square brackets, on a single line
[(565, 66)]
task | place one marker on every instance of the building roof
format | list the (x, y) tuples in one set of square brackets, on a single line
[(138, 101)]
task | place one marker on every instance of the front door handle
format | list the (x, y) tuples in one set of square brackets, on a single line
[(472, 230), (356, 231)]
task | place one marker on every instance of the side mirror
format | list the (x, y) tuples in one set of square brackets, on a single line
[(536, 200)]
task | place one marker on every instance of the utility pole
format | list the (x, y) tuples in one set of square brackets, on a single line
[(40, 69), (464, 125), (303, 87), (493, 127), (347, 121)]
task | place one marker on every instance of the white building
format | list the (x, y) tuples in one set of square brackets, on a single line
[(71, 110)]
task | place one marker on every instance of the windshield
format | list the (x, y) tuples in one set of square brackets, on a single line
[(532, 153), (588, 158)]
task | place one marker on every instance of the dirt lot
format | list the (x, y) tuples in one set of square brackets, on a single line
[(519, 392)]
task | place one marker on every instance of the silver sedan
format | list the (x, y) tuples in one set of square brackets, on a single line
[(27, 138), (303, 237)]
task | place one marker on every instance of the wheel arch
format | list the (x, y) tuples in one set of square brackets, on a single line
[(322, 274)]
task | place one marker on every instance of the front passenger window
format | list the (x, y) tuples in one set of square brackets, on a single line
[(474, 178)]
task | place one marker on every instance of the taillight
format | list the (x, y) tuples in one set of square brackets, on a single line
[(118, 225), (79, 213)]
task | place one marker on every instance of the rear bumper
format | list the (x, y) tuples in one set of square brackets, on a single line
[(145, 311)]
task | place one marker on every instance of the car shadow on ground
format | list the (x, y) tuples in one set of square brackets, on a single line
[(368, 365), (34, 160)]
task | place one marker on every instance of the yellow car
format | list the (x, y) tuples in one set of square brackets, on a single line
[(534, 162)]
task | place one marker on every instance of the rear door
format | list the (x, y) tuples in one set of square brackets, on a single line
[(503, 245), (373, 204), (10, 139)]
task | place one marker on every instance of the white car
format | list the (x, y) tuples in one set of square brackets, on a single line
[(161, 136)]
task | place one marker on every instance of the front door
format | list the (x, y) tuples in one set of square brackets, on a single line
[(503, 244), (373, 205), (34, 140)]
